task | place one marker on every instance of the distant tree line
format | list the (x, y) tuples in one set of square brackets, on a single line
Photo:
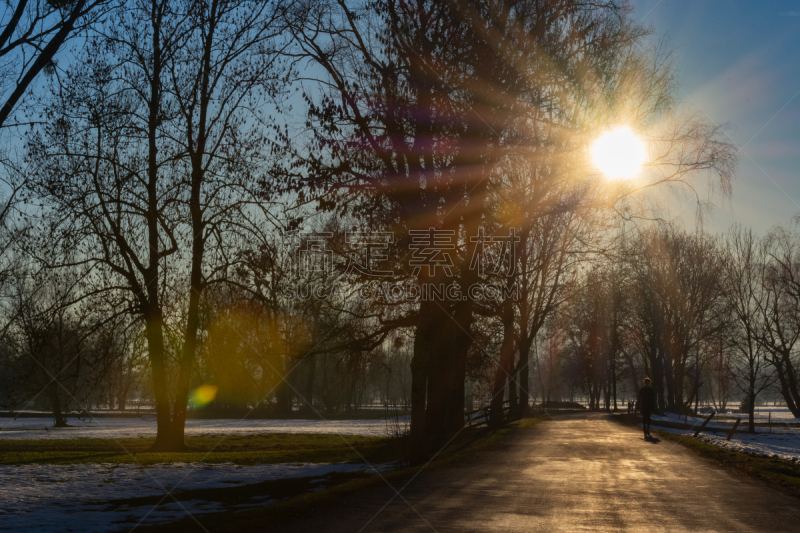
[(704, 316)]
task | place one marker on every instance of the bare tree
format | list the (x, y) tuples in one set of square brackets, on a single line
[(56, 348), (421, 111), (779, 311), (157, 145), (678, 310), (744, 267)]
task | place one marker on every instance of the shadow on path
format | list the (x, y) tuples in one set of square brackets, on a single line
[(576, 473)]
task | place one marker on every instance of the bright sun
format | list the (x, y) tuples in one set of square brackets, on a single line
[(619, 153)]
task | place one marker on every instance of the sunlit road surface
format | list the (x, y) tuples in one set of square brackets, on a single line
[(577, 473)]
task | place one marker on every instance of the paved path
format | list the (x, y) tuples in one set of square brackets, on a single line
[(578, 473)]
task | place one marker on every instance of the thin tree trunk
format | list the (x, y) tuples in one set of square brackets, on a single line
[(524, 378), (309, 389), (785, 388), (419, 385), (55, 404), (504, 367)]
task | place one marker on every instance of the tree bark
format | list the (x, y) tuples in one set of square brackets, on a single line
[(444, 413)]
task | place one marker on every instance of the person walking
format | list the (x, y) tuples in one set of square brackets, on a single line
[(646, 403)]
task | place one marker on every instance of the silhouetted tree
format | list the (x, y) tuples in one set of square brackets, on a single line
[(424, 107), (744, 266), (156, 146)]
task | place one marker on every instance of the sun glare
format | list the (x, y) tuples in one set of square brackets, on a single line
[(619, 154)]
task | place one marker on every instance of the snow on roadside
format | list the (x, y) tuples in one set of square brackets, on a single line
[(49, 498), (779, 426), (108, 428), (778, 445), (691, 421)]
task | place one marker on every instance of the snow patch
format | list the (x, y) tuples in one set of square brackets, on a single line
[(50, 498), (785, 445)]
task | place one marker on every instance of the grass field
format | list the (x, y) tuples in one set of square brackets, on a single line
[(236, 449)]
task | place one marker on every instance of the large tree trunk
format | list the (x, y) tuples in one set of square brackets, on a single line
[(166, 439), (187, 357), (438, 370), (444, 414)]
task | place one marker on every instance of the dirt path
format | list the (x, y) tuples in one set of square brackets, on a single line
[(577, 473)]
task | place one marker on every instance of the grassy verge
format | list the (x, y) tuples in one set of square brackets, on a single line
[(778, 473), (237, 449), (469, 446)]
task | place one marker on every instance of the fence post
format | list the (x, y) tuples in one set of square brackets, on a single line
[(735, 425), (706, 421)]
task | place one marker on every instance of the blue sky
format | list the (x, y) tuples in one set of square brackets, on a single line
[(739, 63)]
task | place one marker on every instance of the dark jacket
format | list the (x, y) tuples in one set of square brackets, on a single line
[(647, 399)]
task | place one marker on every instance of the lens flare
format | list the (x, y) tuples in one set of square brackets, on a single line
[(202, 395), (619, 154)]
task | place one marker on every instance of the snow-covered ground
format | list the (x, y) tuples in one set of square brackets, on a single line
[(779, 425), (777, 445), (782, 442), (50, 498), (81, 497), (781, 414), (108, 428), (762, 414)]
